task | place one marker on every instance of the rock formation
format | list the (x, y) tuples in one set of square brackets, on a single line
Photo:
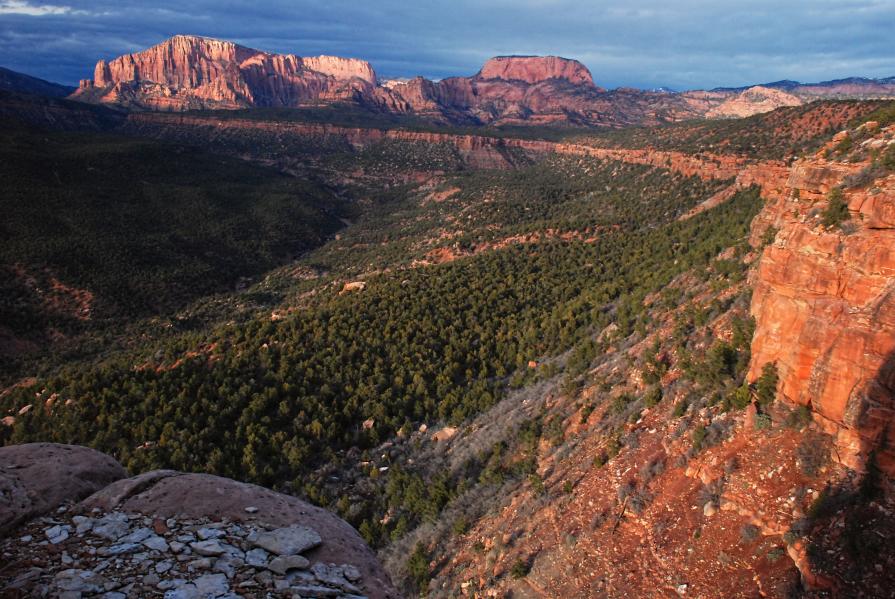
[(187, 72), (35, 478), (824, 305), (536, 69), (184, 535), (191, 72), (753, 101)]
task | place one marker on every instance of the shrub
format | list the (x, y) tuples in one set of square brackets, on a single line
[(520, 569), (586, 411), (836, 211), (813, 452), (798, 418), (698, 437), (766, 386), (740, 397), (748, 533), (762, 422), (613, 446), (620, 403), (567, 487), (711, 492), (888, 158), (652, 469), (775, 554), (418, 567), (844, 145), (537, 484), (653, 396)]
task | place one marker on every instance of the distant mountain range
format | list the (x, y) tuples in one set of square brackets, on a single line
[(192, 72), (19, 82)]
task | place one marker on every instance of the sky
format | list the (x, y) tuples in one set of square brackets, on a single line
[(681, 44)]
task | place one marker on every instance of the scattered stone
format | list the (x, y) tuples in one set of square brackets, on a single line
[(163, 567), (156, 543), (124, 556), (207, 548), (257, 558), (138, 536), (83, 524), (187, 591), (315, 591), (291, 540), (212, 585), (282, 564), (332, 575), (167, 585), (206, 533), (203, 563), (227, 565), (119, 549), (351, 572), (111, 527), (81, 581), (251, 510)]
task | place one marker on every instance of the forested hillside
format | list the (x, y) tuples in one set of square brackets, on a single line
[(100, 229), (391, 328)]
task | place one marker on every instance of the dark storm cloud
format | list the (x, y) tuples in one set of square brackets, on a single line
[(641, 43)]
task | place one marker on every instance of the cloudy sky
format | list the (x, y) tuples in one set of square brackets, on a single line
[(640, 43)]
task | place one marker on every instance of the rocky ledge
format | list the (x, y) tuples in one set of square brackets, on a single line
[(166, 534), (116, 555)]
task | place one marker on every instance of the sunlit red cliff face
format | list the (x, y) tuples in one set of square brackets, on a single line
[(191, 72), (824, 305), (187, 72)]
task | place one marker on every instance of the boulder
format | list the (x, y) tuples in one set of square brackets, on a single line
[(171, 494), (36, 477)]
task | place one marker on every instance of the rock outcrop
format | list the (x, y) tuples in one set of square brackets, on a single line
[(187, 72), (535, 69), (36, 477), (184, 535), (191, 72), (824, 305), (754, 100)]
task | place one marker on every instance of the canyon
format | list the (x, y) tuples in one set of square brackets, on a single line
[(723, 428), (823, 298)]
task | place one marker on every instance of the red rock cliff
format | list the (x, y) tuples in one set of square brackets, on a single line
[(534, 69), (824, 304), (187, 72)]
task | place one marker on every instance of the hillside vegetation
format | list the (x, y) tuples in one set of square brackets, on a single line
[(144, 227)]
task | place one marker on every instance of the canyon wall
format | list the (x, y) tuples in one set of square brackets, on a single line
[(480, 151), (188, 72), (824, 304)]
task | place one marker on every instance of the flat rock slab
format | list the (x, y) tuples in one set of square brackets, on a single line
[(36, 477), (290, 540)]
